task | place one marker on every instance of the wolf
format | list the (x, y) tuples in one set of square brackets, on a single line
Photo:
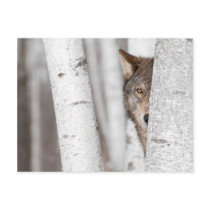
[(137, 72)]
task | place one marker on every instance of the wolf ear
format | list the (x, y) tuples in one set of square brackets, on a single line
[(128, 63)]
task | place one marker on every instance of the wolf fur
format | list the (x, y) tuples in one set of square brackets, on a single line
[(137, 72)]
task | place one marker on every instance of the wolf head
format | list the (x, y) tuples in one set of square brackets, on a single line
[(137, 72)]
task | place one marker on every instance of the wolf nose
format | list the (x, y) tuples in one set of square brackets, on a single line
[(146, 118)]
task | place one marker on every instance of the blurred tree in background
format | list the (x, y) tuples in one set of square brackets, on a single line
[(37, 135)]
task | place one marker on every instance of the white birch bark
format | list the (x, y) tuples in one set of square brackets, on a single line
[(134, 152), (75, 116), (170, 133), (113, 84)]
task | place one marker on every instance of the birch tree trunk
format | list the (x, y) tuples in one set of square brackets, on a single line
[(107, 81), (49, 154), (24, 137), (113, 85), (75, 116), (134, 152), (34, 70), (142, 47), (170, 136), (93, 53), (43, 143)]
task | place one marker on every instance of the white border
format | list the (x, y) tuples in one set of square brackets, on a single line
[(104, 19)]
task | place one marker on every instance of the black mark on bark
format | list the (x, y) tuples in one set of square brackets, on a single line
[(79, 102), (81, 63), (65, 136), (61, 75), (190, 40), (159, 141), (179, 92)]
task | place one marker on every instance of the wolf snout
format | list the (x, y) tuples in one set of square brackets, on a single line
[(146, 118)]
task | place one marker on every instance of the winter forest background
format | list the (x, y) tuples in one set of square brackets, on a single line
[(38, 147)]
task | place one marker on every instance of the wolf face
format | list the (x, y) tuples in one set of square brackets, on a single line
[(137, 72)]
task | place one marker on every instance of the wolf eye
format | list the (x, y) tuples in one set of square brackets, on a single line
[(138, 90)]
